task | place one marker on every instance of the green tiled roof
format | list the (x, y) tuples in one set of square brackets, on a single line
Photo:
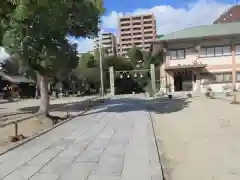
[(204, 31), (159, 36)]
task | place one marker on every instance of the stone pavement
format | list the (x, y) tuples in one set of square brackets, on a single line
[(112, 142)]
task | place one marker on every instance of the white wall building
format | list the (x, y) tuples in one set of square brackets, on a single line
[(201, 57)]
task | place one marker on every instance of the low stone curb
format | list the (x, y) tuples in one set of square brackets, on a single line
[(159, 153), (24, 141)]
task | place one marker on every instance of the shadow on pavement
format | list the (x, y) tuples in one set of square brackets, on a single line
[(70, 107), (158, 105), (120, 105)]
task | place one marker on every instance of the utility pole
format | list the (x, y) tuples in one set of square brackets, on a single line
[(234, 73), (101, 66)]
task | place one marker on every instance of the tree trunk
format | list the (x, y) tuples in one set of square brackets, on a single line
[(44, 98)]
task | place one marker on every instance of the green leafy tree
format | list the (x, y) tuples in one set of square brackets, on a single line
[(87, 60), (88, 70), (119, 63), (135, 54), (36, 32), (97, 53), (154, 56)]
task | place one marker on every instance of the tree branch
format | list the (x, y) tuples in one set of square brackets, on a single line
[(36, 67)]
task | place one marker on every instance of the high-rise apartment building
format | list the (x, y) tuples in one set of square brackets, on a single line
[(137, 30), (108, 43)]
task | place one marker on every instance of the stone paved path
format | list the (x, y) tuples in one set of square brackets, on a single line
[(116, 143)]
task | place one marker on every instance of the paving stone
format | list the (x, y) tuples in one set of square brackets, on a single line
[(156, 173), (47, 155), (78, 171), (6, 168), (44, 176), (58, 165), (137, 152), (97, 147), (109, 166), (92, 155), (74, 150), (101, 177), (23, 173), (117, 144)]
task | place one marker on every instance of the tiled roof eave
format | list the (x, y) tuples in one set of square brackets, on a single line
[(189, 66), (194, 38)]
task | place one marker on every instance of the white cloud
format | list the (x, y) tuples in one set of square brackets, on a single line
[(111, 21), (171, 19), (168, 19)]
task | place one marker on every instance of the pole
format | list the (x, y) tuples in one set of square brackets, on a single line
[(111, 73), (101, 67), (153, 79), (234, 73)]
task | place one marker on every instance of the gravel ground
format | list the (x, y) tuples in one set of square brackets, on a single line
[(200, 139)]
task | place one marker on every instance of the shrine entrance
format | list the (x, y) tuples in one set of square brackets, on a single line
[(183, 81), (137, 80)]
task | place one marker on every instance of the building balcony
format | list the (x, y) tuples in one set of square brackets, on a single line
[(136, 21), (137, 34), (125, 19), (147, 17), (147, 21), (107, 45), (137, 26), (107, 41), (127, 47), (137, 30), (126, 37), (137, 40), (125, 24)]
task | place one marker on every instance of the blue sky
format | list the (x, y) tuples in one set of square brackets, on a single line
[(131, 5), (171, 15)]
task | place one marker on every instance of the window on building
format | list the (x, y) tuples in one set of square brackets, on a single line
[(227, 77), (177, 54), (227, 50), (210, 52), (181, 54), (223, 77), (218, 51), (215, 51), (203, 52), (237, 49), (238, 76), (219, 77), (173, 54)]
